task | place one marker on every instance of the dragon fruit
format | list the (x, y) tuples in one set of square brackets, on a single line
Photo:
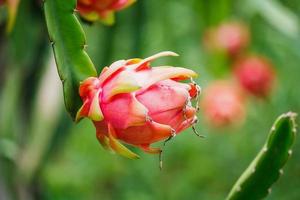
[(223, 104), (102, 10), (256, 75), (138, 104), (231, 37)]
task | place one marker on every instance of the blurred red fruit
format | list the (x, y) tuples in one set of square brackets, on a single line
[(223, 104), (231, 37), (256, 75), (103, 10)]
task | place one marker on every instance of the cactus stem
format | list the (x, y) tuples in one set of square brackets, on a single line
[(73, 63), (273, 129), (84, 46), (266, 168)]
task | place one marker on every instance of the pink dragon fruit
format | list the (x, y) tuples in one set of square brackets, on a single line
[(139, 105), (231, 37), (102, 10), (223, 104), (256, 75)]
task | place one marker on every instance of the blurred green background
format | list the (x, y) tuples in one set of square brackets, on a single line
[(44, 155)]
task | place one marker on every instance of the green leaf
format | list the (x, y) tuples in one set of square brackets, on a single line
[(68, 41), (266, 168)]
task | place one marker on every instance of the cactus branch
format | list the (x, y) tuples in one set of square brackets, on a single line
[(266, 168), (68, 42)]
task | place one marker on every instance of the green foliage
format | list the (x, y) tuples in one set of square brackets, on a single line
[(266, 168), (64, 161), (68, 41)]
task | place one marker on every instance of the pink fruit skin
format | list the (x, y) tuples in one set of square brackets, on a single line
[(256, 75), (231, 37), (138, 104), (223, 104), (102, 7)]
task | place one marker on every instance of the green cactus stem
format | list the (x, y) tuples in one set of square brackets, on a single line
[(68, 42), (256, 181)]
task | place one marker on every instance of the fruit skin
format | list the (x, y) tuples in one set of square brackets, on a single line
[(138, 104), (223, 104), (231, 37), (256, 75), (103, 10)]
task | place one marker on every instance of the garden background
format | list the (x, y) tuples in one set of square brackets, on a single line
[(44, 155)]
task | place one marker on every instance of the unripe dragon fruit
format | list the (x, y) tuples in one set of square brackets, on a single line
[(138, 104), (231, 37), (256, 75), (223, 104), (102, 10)]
